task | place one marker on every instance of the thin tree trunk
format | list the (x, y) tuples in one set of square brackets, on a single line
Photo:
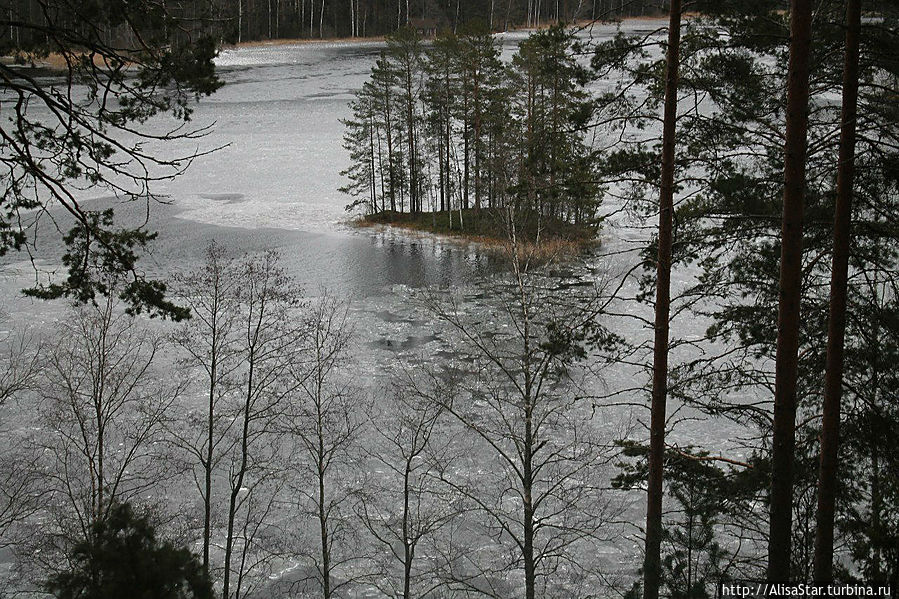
[(101, 451), (387, 128), (652, 560), (323, 523), (440, 173), (414, 200), (477, 136), (836, 332), (373, 190), (241, 473), (466, 137), (408, 548), (210, 437), (787, 362), (530, 442), (446, 145), (530, 566), (876, 571), (381, 174)]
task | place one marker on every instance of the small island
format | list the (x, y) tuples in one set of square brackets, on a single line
[(447, 138), (490, 228)]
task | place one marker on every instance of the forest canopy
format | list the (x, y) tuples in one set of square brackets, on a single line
[(450, 127)]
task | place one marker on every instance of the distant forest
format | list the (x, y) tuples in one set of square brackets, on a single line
[(254, 20), (237, 21), (273, 19)]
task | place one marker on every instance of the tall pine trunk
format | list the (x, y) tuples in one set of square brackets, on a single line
[(787, 363), (476, 102), (836, 331), (652, 558), (388, 130)]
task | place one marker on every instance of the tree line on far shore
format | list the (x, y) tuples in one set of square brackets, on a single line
[(253, 20)]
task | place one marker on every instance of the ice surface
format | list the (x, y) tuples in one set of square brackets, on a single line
[(274, 184)]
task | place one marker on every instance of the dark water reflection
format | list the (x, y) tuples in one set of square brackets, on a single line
[(352, 264)]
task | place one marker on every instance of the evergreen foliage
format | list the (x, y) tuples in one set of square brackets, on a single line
[(122, 64), (728, 221), (124, 558), (454, 127), (705, 519)]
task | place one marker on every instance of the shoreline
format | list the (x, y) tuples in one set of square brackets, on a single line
[(287, 41), (553, 246), (303, 41), (56, 63)]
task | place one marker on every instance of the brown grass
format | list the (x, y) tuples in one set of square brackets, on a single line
[(544, 251), (52, 62)]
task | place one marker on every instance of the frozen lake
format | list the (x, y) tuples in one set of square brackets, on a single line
[(274, 185)]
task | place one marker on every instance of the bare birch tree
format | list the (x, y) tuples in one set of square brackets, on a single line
[(272, 335), (104, 405), (406, 505), (536, 475), (210, 341), (20, 488), (326, 419)]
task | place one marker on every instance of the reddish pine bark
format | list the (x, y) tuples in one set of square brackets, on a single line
[(652, 557), (836, 330), (787, 364)]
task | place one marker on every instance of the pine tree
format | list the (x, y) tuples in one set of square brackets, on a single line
[(133, 62), (451, 122), (383, 80), (735, 61), (441, 93), (480, 72), (833, 381), (123, 558), (404, 54), (361, 139), (556, 177), (652, 565)]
